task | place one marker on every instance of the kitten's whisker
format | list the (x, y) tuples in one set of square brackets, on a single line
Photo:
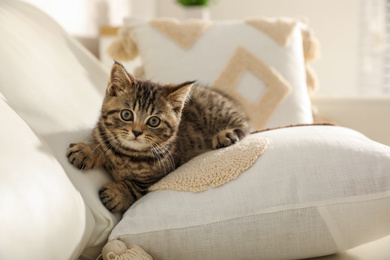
[(166, 156), (104, 146), (157, 155), (100, 144), (165, 161)]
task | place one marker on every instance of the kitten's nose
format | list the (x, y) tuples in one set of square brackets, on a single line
[(136, 133)]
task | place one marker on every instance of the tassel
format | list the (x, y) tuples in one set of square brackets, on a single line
[(311, 51), (117, 250), (123, 48), (311, 45)]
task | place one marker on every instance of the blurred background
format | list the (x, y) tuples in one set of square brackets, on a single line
[(354, 34)]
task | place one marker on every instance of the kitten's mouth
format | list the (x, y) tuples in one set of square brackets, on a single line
[(135, 143)]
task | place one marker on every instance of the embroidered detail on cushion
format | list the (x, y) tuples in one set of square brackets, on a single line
[(277, 87), (185, 34), (214, 168), (280, 29)]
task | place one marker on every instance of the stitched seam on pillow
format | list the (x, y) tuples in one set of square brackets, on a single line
[(294, 125), (265, 213)]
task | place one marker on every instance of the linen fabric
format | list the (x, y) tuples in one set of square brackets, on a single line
[(316, 190), (39, 204), (56, 87)]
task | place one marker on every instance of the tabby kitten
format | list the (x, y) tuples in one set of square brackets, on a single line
[(146, 130)]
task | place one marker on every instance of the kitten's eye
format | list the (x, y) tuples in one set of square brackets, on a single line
[(127, 115), (154, 121)]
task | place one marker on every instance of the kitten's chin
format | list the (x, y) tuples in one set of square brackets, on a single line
[(135, 145)]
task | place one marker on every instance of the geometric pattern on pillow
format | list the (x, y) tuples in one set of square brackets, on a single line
[(270, 82), (277, 87), (279, 29), (184, 34)]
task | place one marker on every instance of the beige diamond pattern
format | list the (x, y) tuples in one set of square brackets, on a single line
[(185, 34), (277, 87), (280, 29)]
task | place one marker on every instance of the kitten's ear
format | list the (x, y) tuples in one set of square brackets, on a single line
[(120, 80), (178, 95)]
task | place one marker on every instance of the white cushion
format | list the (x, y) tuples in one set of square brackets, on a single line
[(57, 87), (42, 215), (47, 77), (267, 76), (316, 190)]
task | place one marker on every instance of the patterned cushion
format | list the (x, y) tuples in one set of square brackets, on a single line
[(261, 62)]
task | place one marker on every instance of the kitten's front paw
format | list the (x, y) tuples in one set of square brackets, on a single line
[(80, 155), (225, 138), (113, 197)]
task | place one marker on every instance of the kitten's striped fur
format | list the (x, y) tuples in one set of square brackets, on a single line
[(146, 130)]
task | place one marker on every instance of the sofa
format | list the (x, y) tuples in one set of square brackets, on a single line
[(51, 89)]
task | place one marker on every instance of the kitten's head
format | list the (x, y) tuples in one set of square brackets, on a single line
[(141, 115)]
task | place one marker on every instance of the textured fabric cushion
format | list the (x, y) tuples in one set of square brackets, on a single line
[(214, 168), (57, 88), (315, 191), (258, 61), (42, 215)]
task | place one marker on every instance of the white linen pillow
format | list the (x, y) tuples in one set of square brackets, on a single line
[(48, 78), (42, 215), (57, 88), (316, 190), (259, 61)]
